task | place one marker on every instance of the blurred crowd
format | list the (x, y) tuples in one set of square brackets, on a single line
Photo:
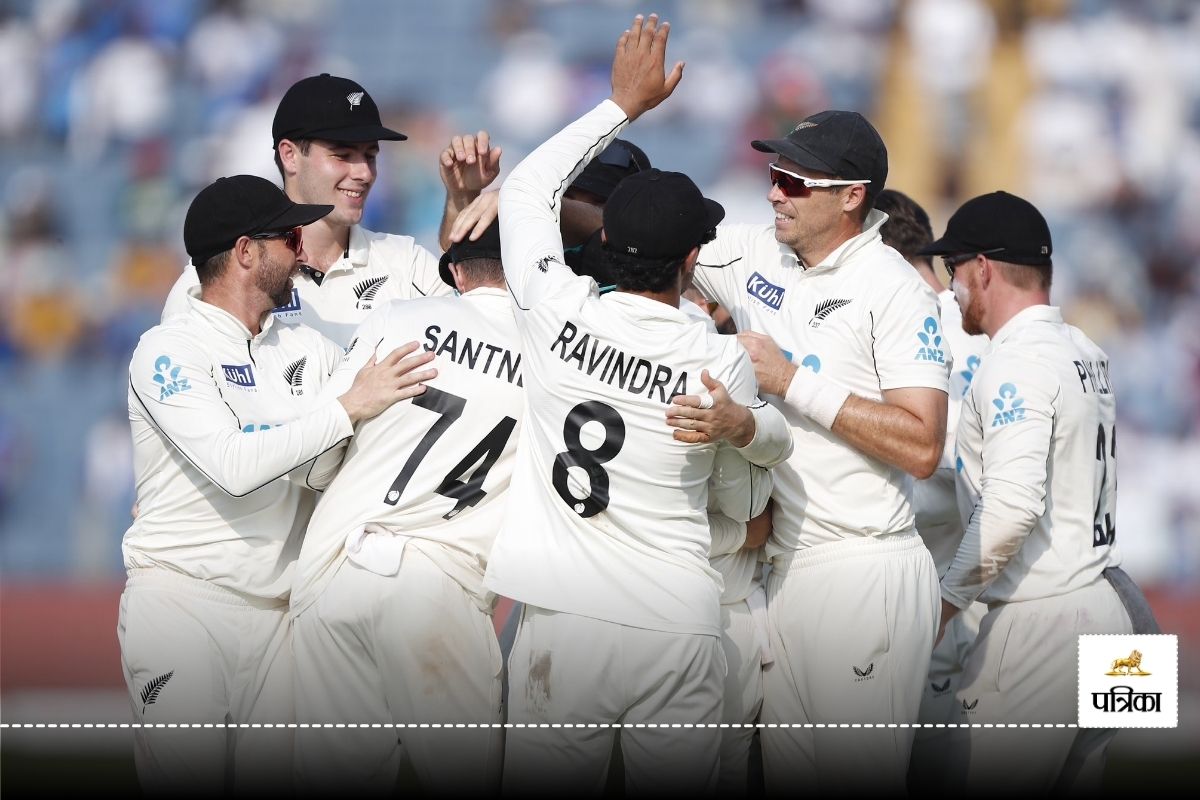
[(115, 112)]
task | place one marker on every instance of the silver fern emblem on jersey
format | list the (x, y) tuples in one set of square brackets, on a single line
[(152, 689), (354, 98), (824, 309), (294, 375), (366, 291)]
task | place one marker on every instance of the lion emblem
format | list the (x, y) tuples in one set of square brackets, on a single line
[(1127, 666)]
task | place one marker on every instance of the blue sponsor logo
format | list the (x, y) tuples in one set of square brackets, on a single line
[(1008, 406), (968, 374), (238, 375), (766, 292), (292, 307), (167, 377), (812, 362), (931, 343)]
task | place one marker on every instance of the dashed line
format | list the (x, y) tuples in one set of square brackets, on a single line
[(302, 725)]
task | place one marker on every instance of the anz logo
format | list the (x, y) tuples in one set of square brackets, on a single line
[(1009, 407), (931, 343), (968, 374), (764, 291), (292, 307)]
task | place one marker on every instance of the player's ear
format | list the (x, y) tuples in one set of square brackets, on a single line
[(456, 272), (288, 153)]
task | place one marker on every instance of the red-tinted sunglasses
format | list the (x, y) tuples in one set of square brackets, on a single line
[(794, 185), (293, 239)]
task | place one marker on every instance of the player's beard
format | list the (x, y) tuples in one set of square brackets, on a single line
[(970, 306), (275, 279)]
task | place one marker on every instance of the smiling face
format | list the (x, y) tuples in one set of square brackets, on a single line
[(333, 173), (806, 221)]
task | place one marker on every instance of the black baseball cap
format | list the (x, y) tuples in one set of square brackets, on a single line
[(839, 143), (243, 205), (658, 215), (1000, 224), (614, 163), (592, 260), (486, 246), (331, 108)]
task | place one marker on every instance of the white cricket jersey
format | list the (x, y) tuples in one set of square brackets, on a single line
[(1037, 471), (863, 319), (376, 268), (607, 512), (935, 500), (434, 468), (221, 421)]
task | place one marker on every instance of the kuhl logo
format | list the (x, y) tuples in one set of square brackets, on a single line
[(167, 378), (1008, 406), (931, 343), (152, 689), (968, 374), (291, 307), (863, 674), (294, 375), (366, 290), (824, 309), (241, 375), (764, 291)]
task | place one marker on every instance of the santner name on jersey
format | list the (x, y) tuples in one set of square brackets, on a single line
[(469, 352), (617, 368)]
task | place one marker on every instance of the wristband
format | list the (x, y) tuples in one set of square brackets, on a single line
[(818, 399)]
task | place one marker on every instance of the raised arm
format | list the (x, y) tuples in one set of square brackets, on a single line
[(467, 166)]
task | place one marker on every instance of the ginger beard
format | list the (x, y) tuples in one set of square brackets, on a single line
[(969, 305)]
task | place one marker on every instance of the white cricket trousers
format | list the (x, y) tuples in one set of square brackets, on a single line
[(1024, 668), (743, 696), (194, 652), (566, 668), (408, 648), (852, 625)]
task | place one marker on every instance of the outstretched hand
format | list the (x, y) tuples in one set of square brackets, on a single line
[(469, 163), (707, 418), (639, 79)]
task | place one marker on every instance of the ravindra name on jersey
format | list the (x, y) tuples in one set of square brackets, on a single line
[(607, 512), (434, 468)]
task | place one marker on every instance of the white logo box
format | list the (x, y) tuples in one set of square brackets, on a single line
[(1143, 692)]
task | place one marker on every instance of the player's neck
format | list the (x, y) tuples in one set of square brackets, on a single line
[(325, 243), (1011, 305), (669, 296), (926, 273)]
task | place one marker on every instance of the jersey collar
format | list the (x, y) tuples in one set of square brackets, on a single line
[(847, 249), (223, 322), (356, 254), (645, 308), (1026, 317)]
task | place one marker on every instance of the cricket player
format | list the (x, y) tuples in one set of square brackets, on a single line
[(1037, 480), (607, 540), (848, 339), (935, 503), (392, 621), (326, 135), (226, 409)]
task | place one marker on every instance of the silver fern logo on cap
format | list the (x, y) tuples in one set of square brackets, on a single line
[(355, 98)]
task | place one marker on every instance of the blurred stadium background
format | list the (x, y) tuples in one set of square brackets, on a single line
[(113, 113)]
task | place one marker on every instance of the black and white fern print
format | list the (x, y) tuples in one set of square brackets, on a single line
[(294, 374), (152, 689), (824, 309), (366, 290)]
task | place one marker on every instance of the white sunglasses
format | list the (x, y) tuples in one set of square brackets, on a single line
[(794, 185)]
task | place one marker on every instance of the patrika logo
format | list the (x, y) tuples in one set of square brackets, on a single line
[(863, 674), (366, 291), (294, 375), (152, 689), (1126, 666), (167, 378), (824, 309), (931, 343), (1008, 406)]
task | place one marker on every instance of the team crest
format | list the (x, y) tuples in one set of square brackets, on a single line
[(366, 290), (294, 375), (354, 99), (824, 309)]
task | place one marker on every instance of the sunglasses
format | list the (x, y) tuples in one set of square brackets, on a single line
[(293, 239), (794, 185), (952, 263)]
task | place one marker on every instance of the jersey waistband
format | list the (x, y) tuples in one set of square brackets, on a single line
[(857, 547), (152, 578)]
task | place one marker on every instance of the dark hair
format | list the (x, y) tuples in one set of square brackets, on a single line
[(213, 268), (483, 270), (907, 229), (302, 145), (634, 274)]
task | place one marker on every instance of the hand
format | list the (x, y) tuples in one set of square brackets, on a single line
[(949, 612), (724, 419), (468, 164), (758, 529), (379, 385), (771, 367), (473, 220), (639, 82)]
